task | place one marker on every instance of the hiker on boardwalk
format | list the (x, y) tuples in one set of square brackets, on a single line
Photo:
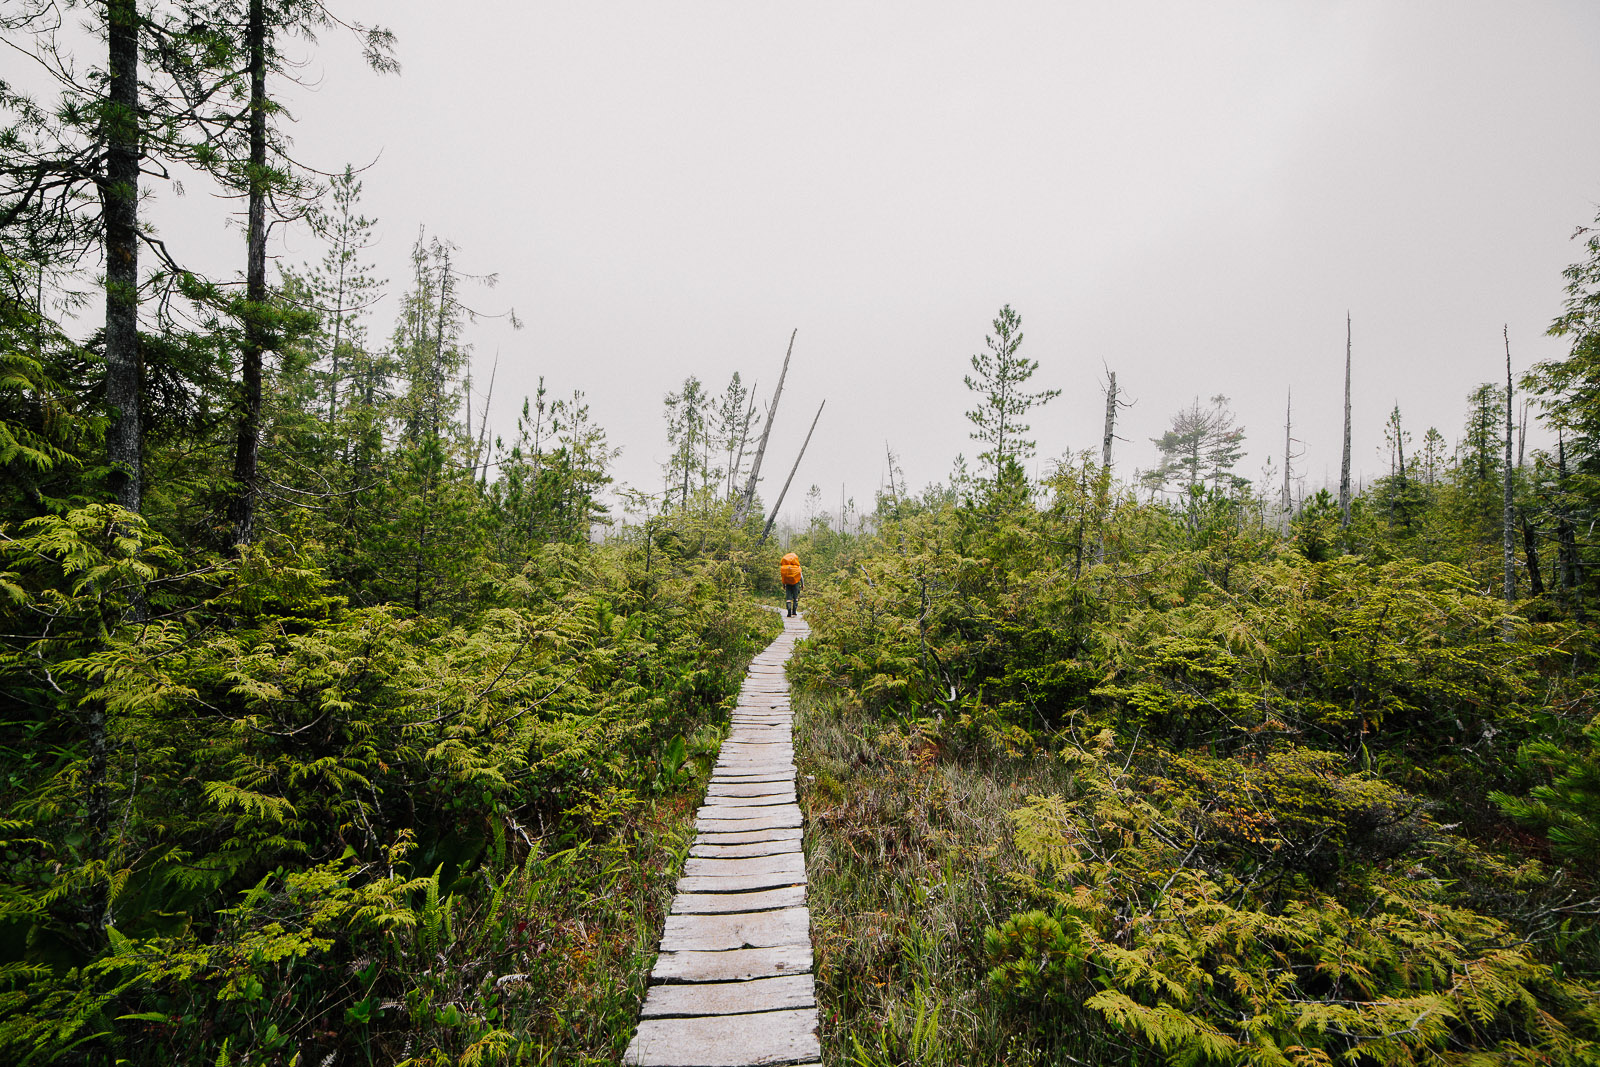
[(793, 580)]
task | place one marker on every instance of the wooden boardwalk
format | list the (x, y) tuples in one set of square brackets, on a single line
[(733, 984)]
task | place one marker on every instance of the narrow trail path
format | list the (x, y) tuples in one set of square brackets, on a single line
[(733, 985)]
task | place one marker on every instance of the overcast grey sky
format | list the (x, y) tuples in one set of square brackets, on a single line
[(1189, 194)]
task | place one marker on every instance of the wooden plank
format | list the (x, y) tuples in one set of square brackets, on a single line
[(742, 851), (787, 896), (748, 789), (730, 930), (715, 804), (743, 883), (732, 966), (745, 837), (767, 1039), (778, 818), (731, 998), (718, 867)]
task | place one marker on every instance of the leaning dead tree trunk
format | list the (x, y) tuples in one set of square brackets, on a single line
[(1344, 466), (743, 510), (1508, 517), (785, 492)]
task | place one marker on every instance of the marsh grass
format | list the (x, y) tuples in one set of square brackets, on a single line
[(908, 846)]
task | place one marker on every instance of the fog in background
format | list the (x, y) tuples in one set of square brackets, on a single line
[(1191, 195)]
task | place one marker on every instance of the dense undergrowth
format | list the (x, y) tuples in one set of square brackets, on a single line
[(335, 830), (1179, 793)]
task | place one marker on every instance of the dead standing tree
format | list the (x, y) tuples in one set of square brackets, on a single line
[(1344, 465), (1103, 482), (748, 497), (1508, 517), (1289, 456)]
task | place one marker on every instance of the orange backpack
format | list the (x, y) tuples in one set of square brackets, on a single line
[(789, 569)]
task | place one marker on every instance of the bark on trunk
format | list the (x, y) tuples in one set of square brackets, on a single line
[(1508, 517), (119, 197), (1530, 549), (1344, 465), (1288, 443), (247, 453), (1103, 483)]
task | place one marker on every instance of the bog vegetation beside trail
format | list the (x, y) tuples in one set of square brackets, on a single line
[(335, 728), (1099, 775)]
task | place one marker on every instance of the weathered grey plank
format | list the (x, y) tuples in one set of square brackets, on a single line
[(727, 903), (766, 1039), (741, 851), (720, 867), (733, 965), (787, 896), (748, 929), (778, 818), (745, 837), (742, 883), (731, 998), (748, 789), (746, 804)]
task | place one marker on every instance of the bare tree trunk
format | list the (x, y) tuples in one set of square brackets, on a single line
[(1400, 473), (1522, 436), (247, 454), (1344, 466), (774, 516), (436, 394), (1103, 483), (119, 198), (1111, 422), (894, 490), (745, 501), (1508, 517), (1288, 444)]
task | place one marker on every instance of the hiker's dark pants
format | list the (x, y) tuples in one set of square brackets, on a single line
[(791, 596)]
